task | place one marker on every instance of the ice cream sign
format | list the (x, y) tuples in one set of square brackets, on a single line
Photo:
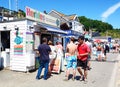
[(41, 17), (18, 43)]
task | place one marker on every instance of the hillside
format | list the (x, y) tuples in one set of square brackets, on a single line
[(100, 27)]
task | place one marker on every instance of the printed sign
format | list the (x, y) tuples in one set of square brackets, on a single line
[(55, 65), (41, 17), (18, 49), (109, 39), (18, 43)]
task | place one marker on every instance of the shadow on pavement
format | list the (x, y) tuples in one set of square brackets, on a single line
[(110, 61)]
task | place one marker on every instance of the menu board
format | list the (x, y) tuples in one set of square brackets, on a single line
[(36, 41), (55, 65), (29, 42), (18, 45)]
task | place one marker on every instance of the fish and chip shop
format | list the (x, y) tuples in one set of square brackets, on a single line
[(19, 39)]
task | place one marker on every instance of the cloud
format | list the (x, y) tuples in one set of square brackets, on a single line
[(110, 11)]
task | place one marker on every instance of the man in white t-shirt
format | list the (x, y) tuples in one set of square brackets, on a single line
[(89, 56)]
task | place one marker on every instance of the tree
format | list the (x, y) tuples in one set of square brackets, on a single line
[(99, 26)]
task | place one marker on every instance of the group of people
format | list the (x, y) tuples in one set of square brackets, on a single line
[(47, 53), (100, 50), (115, 47), (77, 56)]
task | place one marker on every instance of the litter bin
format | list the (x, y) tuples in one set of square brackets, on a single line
[(1, 63), (37, 62)]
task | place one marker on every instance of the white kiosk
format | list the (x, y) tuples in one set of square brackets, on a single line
[(22, 53), (20, 56), (24, 41)]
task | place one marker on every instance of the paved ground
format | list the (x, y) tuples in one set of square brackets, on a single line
[(101, 75), (117, 80)]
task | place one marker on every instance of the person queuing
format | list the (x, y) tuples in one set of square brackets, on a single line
[(44, 51), (83, 52), (52, 56), (71, 59), (60, 54)]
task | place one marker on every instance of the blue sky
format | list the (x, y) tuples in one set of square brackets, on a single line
[(104, 10)]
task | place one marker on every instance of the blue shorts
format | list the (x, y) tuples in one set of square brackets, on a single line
[(72, 62)]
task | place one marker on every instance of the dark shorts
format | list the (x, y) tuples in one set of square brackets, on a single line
[(114, 48), (82, 64), (105, 51)]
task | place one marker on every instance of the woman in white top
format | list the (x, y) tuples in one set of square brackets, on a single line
[(94, 51), (52, 55)]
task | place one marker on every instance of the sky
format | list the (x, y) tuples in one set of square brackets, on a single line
[(103, 10)]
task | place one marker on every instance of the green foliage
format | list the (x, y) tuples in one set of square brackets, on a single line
[(113, 33), (102, 27), (21, 13)]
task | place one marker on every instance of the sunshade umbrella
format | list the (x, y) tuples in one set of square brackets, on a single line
[(97, 40)]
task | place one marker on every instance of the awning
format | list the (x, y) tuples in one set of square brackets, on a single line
[(51, 29), (71, 35), (55, 30)]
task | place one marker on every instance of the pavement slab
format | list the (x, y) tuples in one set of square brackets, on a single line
[(98, 76)]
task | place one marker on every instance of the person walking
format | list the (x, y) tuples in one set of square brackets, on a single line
[(94, 51), (72, 59), (99, 52), (105, 50), (83, 52), (44, 51)]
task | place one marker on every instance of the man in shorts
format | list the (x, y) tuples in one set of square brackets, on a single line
[(72, 59), (83, 52)]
